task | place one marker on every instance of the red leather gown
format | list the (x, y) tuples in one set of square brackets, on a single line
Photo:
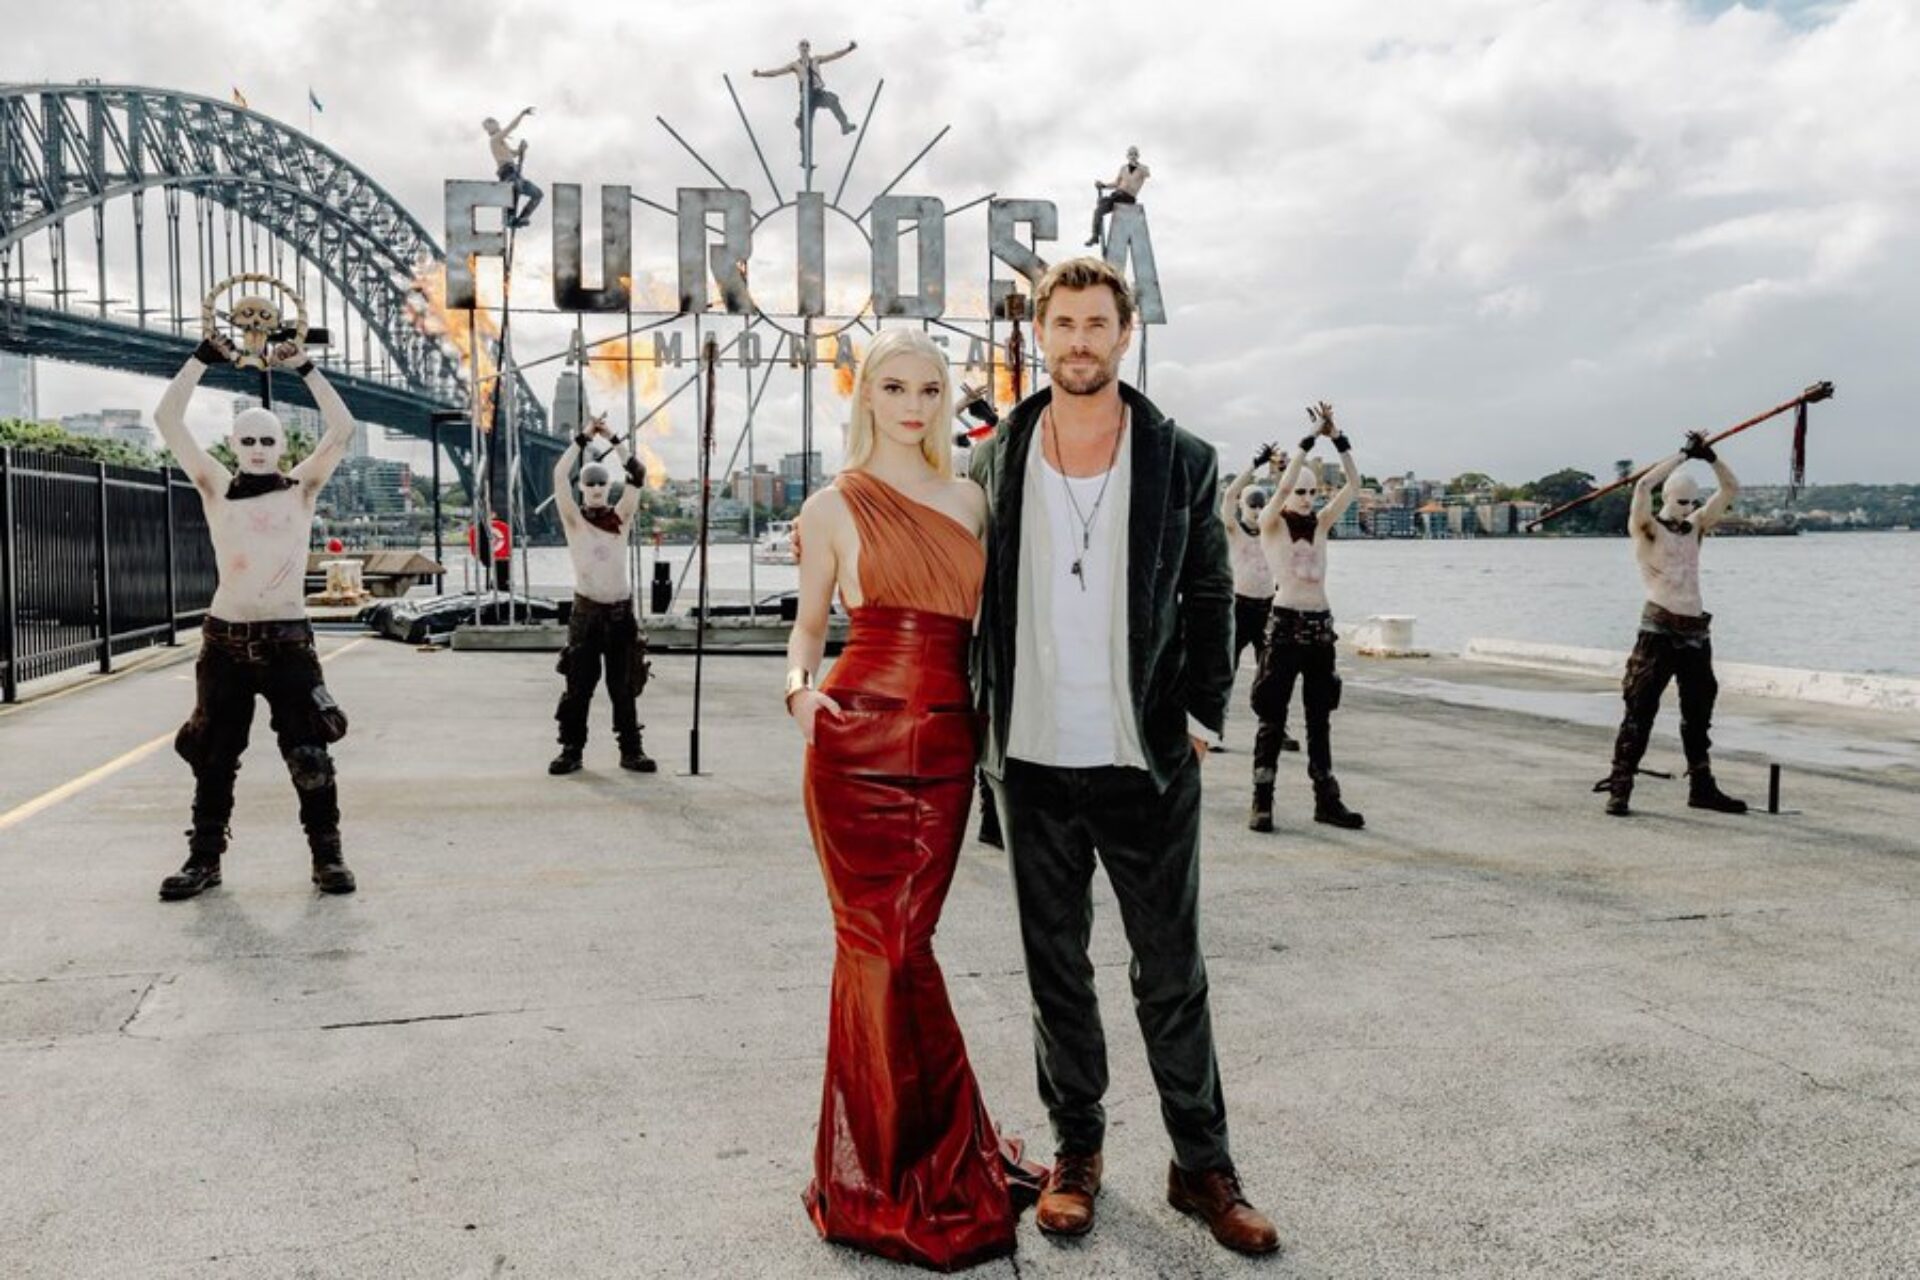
[(907, 1163)]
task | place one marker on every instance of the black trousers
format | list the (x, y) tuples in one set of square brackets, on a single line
[(1104, 206), (1286, 661), (228, 676), (602, 635), (1250, 627), (826, 99), (1656, 661), (1056, 822), (522, 190)]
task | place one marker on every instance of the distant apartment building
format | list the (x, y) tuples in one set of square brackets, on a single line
[(761, 487), (369, 487), (793, 495), (122, 426), (19, 390)]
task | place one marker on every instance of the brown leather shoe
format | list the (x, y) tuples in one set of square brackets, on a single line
[(1066, 1202), (1214, 1196)]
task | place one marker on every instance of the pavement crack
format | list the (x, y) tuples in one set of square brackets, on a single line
[(1815, 1081), (420, 1017)]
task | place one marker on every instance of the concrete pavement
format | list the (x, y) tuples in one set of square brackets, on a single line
[(574, 1027)]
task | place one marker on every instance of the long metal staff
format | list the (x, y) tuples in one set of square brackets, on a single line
[(1812, 395)]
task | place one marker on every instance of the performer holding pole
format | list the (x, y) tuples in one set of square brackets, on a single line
[(256, 640), (1300, 634), (1673, 643), (1240, 507), (602, 629)]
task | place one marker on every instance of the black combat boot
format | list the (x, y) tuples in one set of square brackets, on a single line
[(634, 759), (568, 761), (329, 867), (202, 868), (1619, 789), (1260, 815), (1328, 809), (1704, 793)]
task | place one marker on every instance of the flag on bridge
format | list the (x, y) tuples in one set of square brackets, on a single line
[(239, 98), (315, 101)]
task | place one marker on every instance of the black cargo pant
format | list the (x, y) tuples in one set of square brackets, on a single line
[(276, 661), (1250, 627), (1657, 660), (602, 635), (1056, 821), (1299, 649)]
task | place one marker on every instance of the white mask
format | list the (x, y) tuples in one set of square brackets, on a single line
[(1680, 498), (259, 441)]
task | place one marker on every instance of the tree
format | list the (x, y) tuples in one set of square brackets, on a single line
[(47, 437), (1562, 486)]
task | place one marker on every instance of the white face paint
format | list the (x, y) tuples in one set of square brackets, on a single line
[(595, 484), (1251, 503), (1680, 498), (1300, 501), (259, 441)]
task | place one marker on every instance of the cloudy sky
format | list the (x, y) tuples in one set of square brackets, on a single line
[(1505, 235)]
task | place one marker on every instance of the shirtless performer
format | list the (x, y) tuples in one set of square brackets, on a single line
[(1124, 189), (1300, 633), (1240, 507), (602, 627), (256, 640), (1673, 642), (806, 69), (509, 165)]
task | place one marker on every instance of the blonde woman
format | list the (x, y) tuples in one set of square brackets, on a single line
[(907, 1163)]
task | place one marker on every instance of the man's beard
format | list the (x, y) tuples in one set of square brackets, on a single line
[(1081, 382)]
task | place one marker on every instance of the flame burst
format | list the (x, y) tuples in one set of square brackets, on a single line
[(427, 310), (609, 365)]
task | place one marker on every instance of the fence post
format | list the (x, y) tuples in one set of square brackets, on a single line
[(173, 592), (105, 577), (9, 587)]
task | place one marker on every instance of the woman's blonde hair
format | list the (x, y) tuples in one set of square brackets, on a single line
[(937, 443)]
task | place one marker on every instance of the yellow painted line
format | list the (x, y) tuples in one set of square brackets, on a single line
[(66, 790)]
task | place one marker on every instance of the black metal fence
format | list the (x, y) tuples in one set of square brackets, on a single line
[(95, 561)]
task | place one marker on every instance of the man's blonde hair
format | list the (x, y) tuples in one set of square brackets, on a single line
[(937, 444), (1083, 273)]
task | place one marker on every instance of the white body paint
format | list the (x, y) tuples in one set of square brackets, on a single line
[(1670, 568), (1670, 562), (259, 543), (599, 563)]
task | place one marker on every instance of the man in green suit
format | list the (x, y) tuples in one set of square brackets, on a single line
[(1104, 664)]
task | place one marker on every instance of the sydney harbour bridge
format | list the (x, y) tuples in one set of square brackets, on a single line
[(95, 270)]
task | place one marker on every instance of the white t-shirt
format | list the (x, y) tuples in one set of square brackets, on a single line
[(1082, 621)]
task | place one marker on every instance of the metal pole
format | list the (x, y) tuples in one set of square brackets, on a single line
[(9, 587), (633, 529), (753, 493), (806, 411), (439, 552), (173, 589), (706, 507), (103, 575)]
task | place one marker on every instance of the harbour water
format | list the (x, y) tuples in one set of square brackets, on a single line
[(1822, 601)]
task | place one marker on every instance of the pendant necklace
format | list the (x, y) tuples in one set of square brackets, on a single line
[(1079, 569)]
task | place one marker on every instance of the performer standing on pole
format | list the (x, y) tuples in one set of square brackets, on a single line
[(1673, 642), (510, 164), (813, 89), (1300, 634), (602, 628), (256, 640)]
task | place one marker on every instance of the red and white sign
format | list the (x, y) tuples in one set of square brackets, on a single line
[(502, 541)]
